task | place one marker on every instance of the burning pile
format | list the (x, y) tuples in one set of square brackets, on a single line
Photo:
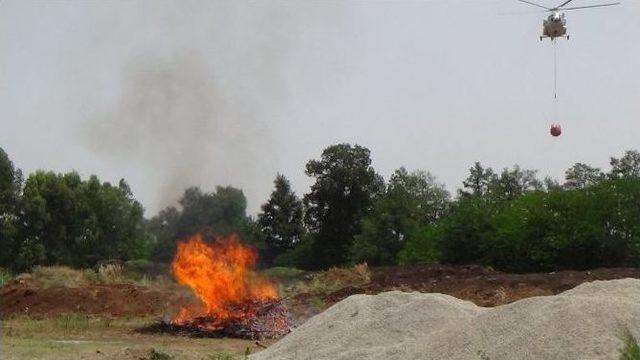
[(235, 301)]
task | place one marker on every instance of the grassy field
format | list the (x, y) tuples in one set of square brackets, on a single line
[(77, 336)]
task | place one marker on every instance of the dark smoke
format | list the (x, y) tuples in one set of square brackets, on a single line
[(203, 95)]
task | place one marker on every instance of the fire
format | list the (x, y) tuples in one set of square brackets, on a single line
[(222, 277)]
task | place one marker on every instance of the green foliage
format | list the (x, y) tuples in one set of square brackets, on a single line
[(630, 348), (159, 355), (302, 256), (513, 183), (5, 277), (70, 221), (423, 246), (222, 212), (283, 274), (10, 189), (71, 322), (581, 176), (538, 231), (478, 181), (281, 219), (343, 193), (627, 166), (411, 200)]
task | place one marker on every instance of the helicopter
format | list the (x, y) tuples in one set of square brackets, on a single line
[(556, 24)]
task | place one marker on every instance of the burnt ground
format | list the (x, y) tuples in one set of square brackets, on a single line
[(483, 286)]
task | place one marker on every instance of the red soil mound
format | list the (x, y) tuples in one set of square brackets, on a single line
[(107, 300), (480, 285)]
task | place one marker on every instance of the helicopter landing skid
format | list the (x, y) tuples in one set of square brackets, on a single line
[(554, 37)]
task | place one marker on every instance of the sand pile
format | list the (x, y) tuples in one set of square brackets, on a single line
[(583, 323)]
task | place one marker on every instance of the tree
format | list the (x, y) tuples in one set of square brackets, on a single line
[(513, 183), (478, 181), (66, 220), (626, 166), (218, 213), (345, 188), (581, 176), (10, 192), (411, 200), (281, 219)]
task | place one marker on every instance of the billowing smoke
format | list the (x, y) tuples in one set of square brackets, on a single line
[(202, 110)]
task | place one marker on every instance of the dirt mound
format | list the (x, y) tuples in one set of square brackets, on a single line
[(579, 324), (109, 300), (482, 286)]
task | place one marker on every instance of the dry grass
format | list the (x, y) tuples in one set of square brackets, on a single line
[(51, 276), (334, 279), (64, 276), (78, 336)]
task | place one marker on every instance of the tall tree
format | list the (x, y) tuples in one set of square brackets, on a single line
[(66, 220), (627, 166), (513, 183), (411, 200), (10, 191), (342, 195), (478, 181), (222, 212), (281, 219), (581, 176)]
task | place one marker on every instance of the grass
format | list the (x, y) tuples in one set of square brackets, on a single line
[(222, 355), (283, 274), (630, 347), (5, 277), (159, 355), (111, 273), (334, 279), (63, 325), (77, 336), (52, 276)]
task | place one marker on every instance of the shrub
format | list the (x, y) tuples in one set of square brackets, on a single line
[(630, 349)]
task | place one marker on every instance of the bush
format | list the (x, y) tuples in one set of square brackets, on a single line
[(301, 256), (537, 231), (630, 349)]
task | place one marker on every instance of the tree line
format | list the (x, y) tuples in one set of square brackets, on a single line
[(508, 219)]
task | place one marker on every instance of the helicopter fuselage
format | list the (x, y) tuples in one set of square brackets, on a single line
[(554, 26)]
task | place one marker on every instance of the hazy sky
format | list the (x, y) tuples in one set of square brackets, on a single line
[(171, 94)]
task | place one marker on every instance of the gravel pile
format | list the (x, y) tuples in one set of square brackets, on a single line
[(582, 323)]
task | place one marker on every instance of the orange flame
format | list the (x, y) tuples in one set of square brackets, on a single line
[(221, 275)]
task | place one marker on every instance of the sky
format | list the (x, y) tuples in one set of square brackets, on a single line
[(169, 94)]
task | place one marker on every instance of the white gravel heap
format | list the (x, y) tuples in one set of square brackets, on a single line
[(583, 323)]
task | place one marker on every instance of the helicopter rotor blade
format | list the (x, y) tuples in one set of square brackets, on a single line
[(523, 12), (564, 4), (534, 4), (590, 6)]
